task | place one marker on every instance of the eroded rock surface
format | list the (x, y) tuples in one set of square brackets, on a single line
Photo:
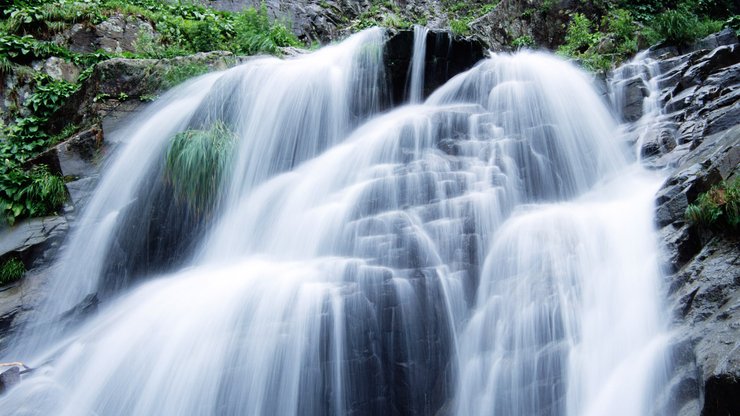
[(701, 113)]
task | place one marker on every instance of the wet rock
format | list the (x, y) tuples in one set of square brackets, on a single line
[(722, 396), (631, 96), (660, 143), (446, 56), (122, 33), (77, 155), (86, 307), (80, 38), (700, 94), (707, 305), (723, 119), (721, 57), (30, 238), (9, 378), (716, 159), (725, 37), (116, 85)]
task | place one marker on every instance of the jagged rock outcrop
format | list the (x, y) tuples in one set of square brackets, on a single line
[(699, 97)]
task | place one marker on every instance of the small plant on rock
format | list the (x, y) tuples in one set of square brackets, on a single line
[(196, 162), (720, 206), (11, 270)]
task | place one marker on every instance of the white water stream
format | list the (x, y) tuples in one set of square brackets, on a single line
[(490, 251)]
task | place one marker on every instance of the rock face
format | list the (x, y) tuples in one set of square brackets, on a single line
[(328, 20), (699, 97), (30, 238), (116, 34), (543, 22), (118, 86), (446, 56)]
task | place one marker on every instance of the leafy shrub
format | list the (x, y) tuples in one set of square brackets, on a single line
[(579, 36), (525, 41), (621, 25), (49, 94), (49, 17), (581, 42), (29, 193), (203, 35), (254, 33), (681, 25), (459, 27), (195, 163), (24, 49), (719, 206), (11, 270)]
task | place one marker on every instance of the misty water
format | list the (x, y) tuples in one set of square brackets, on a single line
[(488, 250)]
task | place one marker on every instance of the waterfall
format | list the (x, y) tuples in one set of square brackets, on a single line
[(416, 70), (488, 251), (636, 84)]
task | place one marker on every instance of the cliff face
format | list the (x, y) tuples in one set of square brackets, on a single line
[(698, 140)]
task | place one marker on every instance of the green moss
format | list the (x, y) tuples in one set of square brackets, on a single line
[(11, 270)]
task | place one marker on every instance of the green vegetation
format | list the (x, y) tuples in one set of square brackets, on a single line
[(11, 270), (384, 14), (719, 207), (462, 13), (525, 41), (195, 163), (613, 35), (582, 43), (681, 26), (27, 28), (459, 27), (29, 192), (178, 74)]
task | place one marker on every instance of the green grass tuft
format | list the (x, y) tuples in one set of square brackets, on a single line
[(11, 270), (196, 162)]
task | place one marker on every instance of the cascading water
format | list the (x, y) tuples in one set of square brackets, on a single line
[(489, 251), (642, 70), (416, 70)]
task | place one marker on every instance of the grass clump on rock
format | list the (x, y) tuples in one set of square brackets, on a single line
[(11, 270), (196, 161)]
